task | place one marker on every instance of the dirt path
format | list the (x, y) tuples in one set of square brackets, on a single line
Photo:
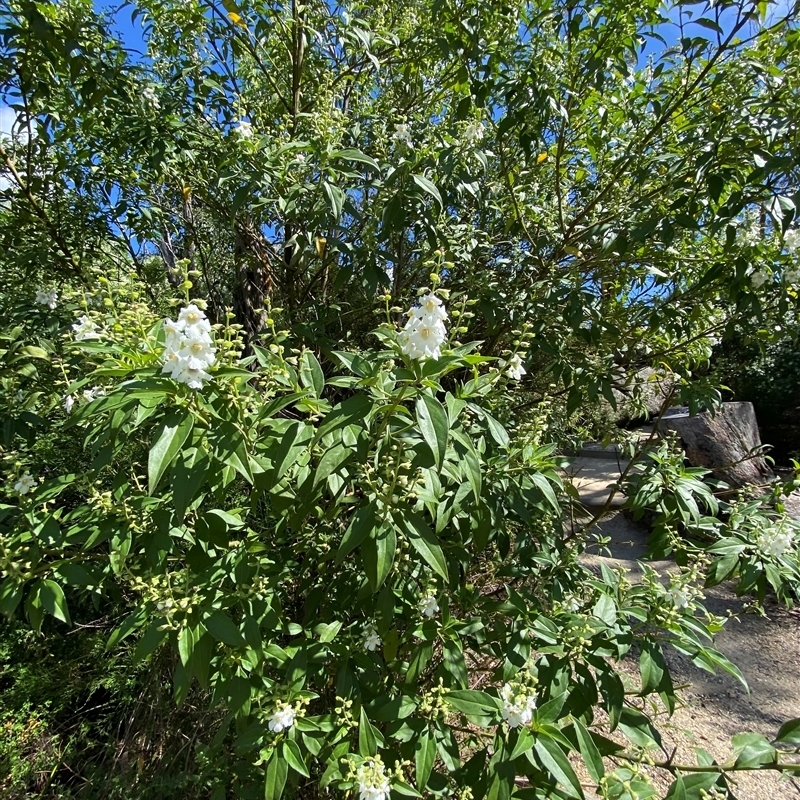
[(715, 707)]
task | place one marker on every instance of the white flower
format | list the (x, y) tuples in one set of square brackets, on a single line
[(473, 133), (69, 402), (402, 134), (791, 240), (424, 333), (92, 394), (85, 329), (19, 397), (793, 275), (199, 348), (428, 606), (514, 368), (678, 597), (372, 781), (759, 278), (371, 639), (300, 158), (194, 321), (47, 297), (282, 719), (24, 484), (151, 98), (775, 541), (518, 705), (244, 129)]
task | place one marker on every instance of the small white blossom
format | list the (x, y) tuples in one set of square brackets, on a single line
[(372, 781), (473, 133), (775, 541), (518, 705), (47, 297), (300, 158), (93, 393), (25, 484), (69, 402), (428, 606), (514, 368), (86, 329), (371, 639), (791, 240), (151, 98), (282, 719), (402, 134), (678, 597), (759, 278), (793, 275), (19, 397), (244, 129)]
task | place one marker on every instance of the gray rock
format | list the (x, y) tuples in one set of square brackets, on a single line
[(727, 443)]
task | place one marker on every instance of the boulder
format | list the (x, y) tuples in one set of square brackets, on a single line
[(727, 443)]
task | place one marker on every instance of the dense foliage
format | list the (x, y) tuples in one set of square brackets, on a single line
[(301, 305)]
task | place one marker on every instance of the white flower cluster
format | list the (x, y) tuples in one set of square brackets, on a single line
[(371, 639), (151, 98), (424, 333), (791, 240), (189, 348), (24, 484), (518, 705), (750, 228), (47, 297), (428, 606), (402, 134), (793, 275), (775, 541), (282, 719), (473, 133), (372, 781), (244, 129), (86, 329)]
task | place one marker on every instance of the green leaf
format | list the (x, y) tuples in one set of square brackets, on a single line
[(377, 553), (434, 426), (546, 489), (53, 600), (367, 742), (294, 758), (473, 703), (790, 733), (424, 756), (275, 778), (311, 375), (363, 521), (423, 540), (335, 197), (752, 749), (187, 476), (169, 438), (223, 629), (351, 154), (588, 750), (555, 761), (429, 188)]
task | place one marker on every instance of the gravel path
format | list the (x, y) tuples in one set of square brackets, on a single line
[(715, 707)]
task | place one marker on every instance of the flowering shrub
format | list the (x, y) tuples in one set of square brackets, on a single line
[(353, 542)]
